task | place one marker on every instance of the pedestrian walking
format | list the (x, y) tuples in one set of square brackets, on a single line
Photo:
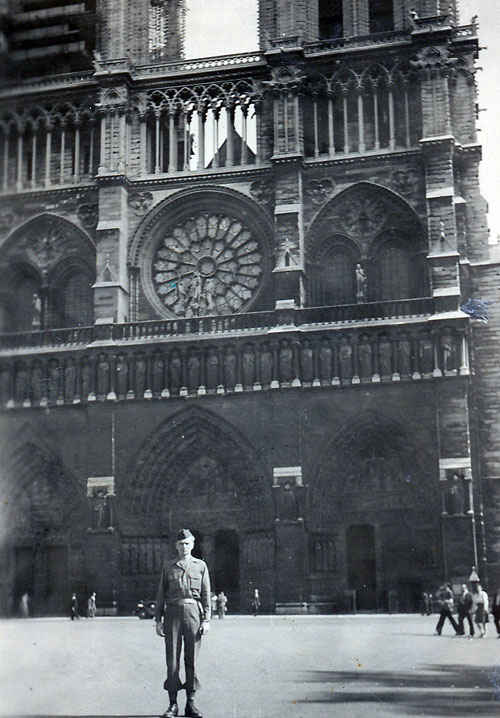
[(426, 603), (495, 610), (465, 607), (480, 606), (445, 597), (74, 607), (183, 607), (255, 603), (24, 605), (214, 604), (91, 606), (221, 604)]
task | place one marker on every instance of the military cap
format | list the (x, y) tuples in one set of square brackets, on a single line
[(184, 534)]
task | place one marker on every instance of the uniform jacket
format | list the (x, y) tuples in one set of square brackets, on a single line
[(177, 583)]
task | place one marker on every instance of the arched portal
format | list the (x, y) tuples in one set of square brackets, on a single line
[(40, 503), (197, 471), (376, 494)]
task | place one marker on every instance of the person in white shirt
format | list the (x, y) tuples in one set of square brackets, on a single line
[(480, 606)]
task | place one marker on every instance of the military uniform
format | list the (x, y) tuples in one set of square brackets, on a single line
[(183, 602)]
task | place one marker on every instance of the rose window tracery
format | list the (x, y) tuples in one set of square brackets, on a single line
[(210, 263)]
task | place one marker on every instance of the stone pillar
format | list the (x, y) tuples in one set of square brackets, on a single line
[(289, 495)]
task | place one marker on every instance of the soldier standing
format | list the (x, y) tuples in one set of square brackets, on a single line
[(183, 612)]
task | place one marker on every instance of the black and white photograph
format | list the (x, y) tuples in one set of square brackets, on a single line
[(249, 358)]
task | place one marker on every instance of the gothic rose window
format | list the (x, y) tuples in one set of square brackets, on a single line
[(207, 264)]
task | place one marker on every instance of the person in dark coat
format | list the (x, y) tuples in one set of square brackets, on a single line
[(183, 608), (74, 607), (495, 610), (446, 601), (465, 606)]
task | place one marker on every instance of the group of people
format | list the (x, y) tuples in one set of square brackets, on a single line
[(91, 606), (472, 606)]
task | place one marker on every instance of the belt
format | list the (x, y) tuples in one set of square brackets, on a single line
[(182, 602)]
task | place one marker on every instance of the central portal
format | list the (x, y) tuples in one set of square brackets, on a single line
[(227, 567)]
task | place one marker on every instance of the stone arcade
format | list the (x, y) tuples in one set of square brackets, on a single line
[(231, 299)]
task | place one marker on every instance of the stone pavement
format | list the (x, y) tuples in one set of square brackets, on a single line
[(264, 667)]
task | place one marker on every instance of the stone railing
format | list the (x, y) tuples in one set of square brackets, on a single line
[(197, 65), (287, 360), (69, 80), (359, 41), (165, 329)]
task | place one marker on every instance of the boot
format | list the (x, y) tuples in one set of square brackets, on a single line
[(173, 709), (191, 710)]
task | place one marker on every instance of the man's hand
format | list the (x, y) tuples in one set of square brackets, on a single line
[(159, 629), (205, 627)]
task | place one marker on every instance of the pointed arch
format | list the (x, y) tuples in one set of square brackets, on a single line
[(197, 460)]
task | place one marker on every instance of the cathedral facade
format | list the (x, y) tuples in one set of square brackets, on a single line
[(248, 294)]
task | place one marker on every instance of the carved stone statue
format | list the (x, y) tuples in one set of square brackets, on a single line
[(212, 369), (287, 254), (345, 359), (248, 365), (306, 361), (455, 499), (286, 362), (426, 354), (325, 361), (175, 371), (404, 356), (266, 364), (157, 378), (100, 509), (102, 376), (193, 370), (36, 314), (449, 353), (287, 504), (385, 355), (361, 279), (121, 376), (140, 376), (230, 364), (69, 380), (365, 358)]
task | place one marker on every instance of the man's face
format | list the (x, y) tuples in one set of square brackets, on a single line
[(184, 547)]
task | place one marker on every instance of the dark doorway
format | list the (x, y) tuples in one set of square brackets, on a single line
[(361, 565), (57, 580), (198, 544), (227, 567), (24, 577)]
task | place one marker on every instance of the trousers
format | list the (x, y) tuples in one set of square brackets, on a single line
[(446, 614), (465, 617), (182, 626)]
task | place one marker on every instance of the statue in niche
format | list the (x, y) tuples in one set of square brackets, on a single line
[(307, 361), (36, 382), (5, 385), (449, 352), (193, 370), (21, 384), (319, 562), (266, 364), (365, 357), (325, 361), (36, 312), (286, 361), (212, 368), (455, 499), (86, 379), (230, 365), (69, 380), (53, 391), (100, 509), (385, 355), (287, 254), (248, 366), (361, 279), (140, 376), (404, 356), (157, 374), (426, 354), (175, 371), (288, 508), (102, 376), (345, 359), (121, 376)]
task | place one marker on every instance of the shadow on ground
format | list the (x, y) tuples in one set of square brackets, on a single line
[(440, 690)]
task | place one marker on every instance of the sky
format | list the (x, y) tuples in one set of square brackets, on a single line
[(217, 27)]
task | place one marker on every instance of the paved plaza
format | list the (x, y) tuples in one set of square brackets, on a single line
[(264, 667)]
